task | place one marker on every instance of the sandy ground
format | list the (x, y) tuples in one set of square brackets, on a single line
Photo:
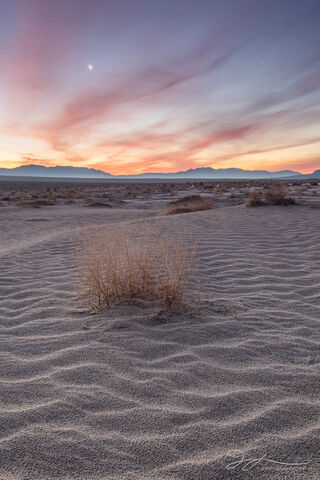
[(124, 395)]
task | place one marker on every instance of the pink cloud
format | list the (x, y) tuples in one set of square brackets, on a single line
[(186, 146), (149, 84), (46, 37), (98, 103)]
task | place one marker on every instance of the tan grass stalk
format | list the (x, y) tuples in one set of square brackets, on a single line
[(119, 266), (191, 203)]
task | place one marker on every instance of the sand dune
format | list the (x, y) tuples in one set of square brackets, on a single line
[(124, 395)]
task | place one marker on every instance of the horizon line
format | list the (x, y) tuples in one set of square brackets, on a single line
[(150, 173)]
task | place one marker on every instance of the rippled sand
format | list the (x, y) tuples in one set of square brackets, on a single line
[(122, 395)]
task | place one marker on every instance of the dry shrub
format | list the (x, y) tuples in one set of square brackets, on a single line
[(300, 191), (70, 193), (277, 196), (120, 266), (132, 193), (35, 203), (222, 188), (97, 203), (190, 203), (254, 199)]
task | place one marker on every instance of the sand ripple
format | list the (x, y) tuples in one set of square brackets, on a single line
[(119, 395)]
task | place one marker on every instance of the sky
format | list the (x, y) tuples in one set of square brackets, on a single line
[(132, 86)]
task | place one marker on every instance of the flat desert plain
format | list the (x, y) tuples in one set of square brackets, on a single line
[(135, 392)]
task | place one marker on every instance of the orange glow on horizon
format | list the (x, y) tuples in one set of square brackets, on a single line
[(135, 167), (117, 95)]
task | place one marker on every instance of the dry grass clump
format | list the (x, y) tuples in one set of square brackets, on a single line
[(70, 193), (120, 266), (100, 202), (190, 203), (131, 193), (254, 199), (277, 195), (97, 203), (222, 188), (6, 198), (34, 203)]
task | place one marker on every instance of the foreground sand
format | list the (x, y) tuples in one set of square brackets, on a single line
[(126, 395)]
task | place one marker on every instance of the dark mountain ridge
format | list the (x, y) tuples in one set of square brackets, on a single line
[(192, 173), (54, 172)]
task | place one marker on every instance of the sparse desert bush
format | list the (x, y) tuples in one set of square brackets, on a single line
[(50, 197), (119, 266), (34, 202), (190, 203), (97, 203), (100, 202), (254, 199), (221, 188), (276, 195), (300, 191), (70, 193), (132, 193)]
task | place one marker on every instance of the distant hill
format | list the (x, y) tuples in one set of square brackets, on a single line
[(192, 173), (208, 172), (54, 172), (316, 174)]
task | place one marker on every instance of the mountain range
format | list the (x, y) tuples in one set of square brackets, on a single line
[(193, 173), (54, 172)]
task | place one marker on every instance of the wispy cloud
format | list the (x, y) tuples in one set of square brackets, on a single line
[(176, 84), (45, 39), (99, 103)]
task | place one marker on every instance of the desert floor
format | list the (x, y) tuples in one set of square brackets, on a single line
[(134, 393)]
